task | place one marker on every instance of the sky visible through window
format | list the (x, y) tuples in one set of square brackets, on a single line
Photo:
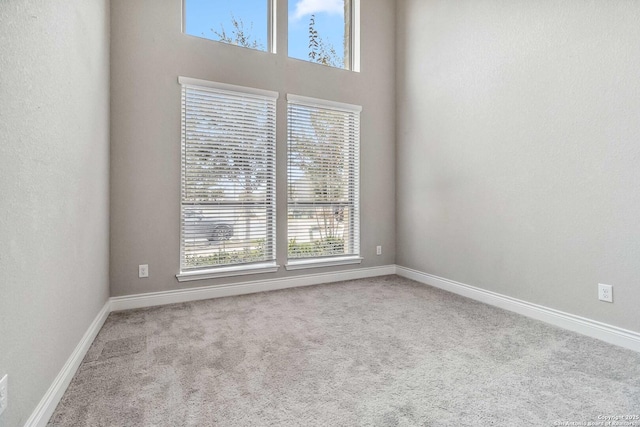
[(212, 19), (329, 23)]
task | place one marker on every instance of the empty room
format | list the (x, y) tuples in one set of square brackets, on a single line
[(319, 213)]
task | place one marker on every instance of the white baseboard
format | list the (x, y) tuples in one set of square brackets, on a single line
[(207, 292), (602, 331), (46, 407), (41, 415)]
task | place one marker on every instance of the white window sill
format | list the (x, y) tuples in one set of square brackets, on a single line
[(322, 262), (236, 270)]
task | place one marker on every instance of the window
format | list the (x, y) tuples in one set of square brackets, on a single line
[(325, 32), (323, 182), (321, 31), (246, 23), (228, 178)]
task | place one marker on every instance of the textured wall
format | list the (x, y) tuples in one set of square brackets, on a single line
[(518, 149), (149, 52), (54, 165)]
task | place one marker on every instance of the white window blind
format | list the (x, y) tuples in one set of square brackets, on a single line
[(323, 179), (228, 175)]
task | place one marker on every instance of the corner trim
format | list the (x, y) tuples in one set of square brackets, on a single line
[(592, 328), (49, 402), (217, 291)]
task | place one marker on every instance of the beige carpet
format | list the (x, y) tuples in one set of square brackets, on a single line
[(377, 352)]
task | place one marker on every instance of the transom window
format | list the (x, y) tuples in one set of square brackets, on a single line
[(325, 32), (245, 23)]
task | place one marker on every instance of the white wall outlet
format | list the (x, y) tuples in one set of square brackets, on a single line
[(605, 292), (143, 270), (4, 397), (378, 250)]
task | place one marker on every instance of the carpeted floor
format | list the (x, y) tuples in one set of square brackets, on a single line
[(377, 352)]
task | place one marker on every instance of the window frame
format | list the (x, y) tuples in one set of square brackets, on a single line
[(353, 63), (272, 27), (354, 192), (272, 33), (226, 270)]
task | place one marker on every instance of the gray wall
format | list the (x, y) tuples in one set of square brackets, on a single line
[(149, 52), (519, 146), (54, 165)]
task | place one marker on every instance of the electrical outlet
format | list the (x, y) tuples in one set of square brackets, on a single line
[(378, 250), (605, 292), (143, 270), (4, 398)]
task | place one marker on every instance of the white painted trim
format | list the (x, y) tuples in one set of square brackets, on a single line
[(49, 402), (218, 291), (594, 329), (296, 264), (602, 331), (323, 103), (244, 90), (236, 270), (355, 35), (272, 26), (45, 409)]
